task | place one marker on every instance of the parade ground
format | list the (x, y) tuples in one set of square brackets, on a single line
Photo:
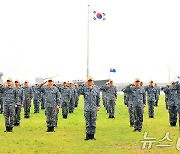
[(112, 135)]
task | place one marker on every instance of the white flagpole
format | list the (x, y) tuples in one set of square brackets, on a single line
[(88, 44)]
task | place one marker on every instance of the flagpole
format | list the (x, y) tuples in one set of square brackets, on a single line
[(88, 44)]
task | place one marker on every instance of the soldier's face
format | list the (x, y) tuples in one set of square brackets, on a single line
[(137, 84), (50, 83), (64, 85), (151, 84), (16, 84), (26, 83), (9, 83), (111, 83), (90, 83)]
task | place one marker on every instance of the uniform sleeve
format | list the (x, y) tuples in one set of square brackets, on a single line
[(1, 89), (22, 96), (31, 93), (144, 97), (116, 92), (58, 98), (98, 98), (16, 96), (127, 89)]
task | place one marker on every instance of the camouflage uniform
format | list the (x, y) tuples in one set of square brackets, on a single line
[(20, 95), (178, 99), (91, 102), (158, 94), (104, 97), (36, 99), (171, 93), (66, 95), (76, 97), (42, 101), (52, 99), (139, 99), (111, 92), (1, 104), (9, 100), (72, 100), (151, 97), (28, 95), (129, 103)]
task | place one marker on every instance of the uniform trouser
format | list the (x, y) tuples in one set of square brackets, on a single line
[(173, 114), (76, 102), (1, 106), (151, 108), (156, 102), (111, 107), (57, 113), (138, 117), (17, 116), (131, 113), (107, 104), (90, 118), (50, 113), (9, 113), (166, 100), (42, 103), (71, 105), (36, 105), (65, 108), (27, 106)]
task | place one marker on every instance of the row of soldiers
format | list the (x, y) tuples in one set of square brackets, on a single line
[(14, 97), (60, 96), (135, 98)]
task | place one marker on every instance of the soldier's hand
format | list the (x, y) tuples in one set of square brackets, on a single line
[(97, 108), (15, 105), (144, 105)]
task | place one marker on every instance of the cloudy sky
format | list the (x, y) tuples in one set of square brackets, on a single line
[(43, 38)]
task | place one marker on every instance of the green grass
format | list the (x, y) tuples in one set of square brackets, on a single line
[(113, 135)]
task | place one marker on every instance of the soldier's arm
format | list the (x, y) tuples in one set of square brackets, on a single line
[(1, 88), (58, 98), (98, 100), (116, 92), (31, 93), (144, 97)]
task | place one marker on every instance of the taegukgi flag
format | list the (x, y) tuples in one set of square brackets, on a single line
[(98, 16)]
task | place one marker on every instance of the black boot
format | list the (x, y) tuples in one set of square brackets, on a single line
[(10, 129), (92, 137), (7, 129), (48, 129), (87, 137), (52, 129)]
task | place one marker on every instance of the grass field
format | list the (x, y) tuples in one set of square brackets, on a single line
[(113, 135)]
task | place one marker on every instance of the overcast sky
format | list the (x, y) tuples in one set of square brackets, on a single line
[(43, 38)]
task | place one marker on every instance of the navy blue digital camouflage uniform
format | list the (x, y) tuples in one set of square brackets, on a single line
[(129, 103), (91, 102), (72, 100), (139, 100), (171, 92), (152, 96), (111, 94), (19, 103), (36, 99), (158, 94), (1, 104), (52, 99), (104, 97), (66, 96), (9, 95), (28, 95)]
